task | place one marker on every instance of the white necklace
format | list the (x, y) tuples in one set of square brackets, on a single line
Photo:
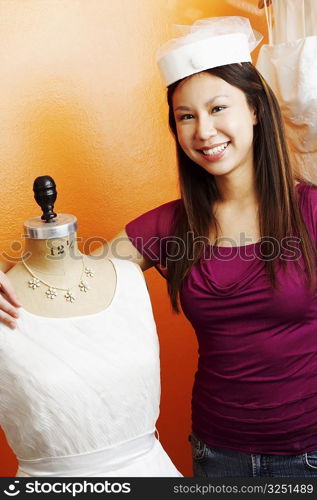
[(51, 291)]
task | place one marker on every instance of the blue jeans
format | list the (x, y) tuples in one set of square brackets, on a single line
[(217, 462)]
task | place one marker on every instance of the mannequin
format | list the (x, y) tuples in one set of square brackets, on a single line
[(80, 376)]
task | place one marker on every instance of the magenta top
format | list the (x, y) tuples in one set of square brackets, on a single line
[(255, 389)]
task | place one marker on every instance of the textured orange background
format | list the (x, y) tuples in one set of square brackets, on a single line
[(81, 100)]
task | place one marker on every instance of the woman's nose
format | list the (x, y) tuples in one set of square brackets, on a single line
[(205, 128)]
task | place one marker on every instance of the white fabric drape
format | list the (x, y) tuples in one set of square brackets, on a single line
[(288, 63)]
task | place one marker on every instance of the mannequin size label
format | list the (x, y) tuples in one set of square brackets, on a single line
[(58, 246)]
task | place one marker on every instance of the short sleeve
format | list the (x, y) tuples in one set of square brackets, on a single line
[(308, 205), (150, 232)]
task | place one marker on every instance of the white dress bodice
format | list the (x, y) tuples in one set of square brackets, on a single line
[(78, 385)]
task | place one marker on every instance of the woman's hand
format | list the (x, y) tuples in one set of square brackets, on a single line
[(261, 3), (8, 302)]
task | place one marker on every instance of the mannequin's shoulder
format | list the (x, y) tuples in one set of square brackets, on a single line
[(103, 264), (111, 271), (98, 264), (126, 266), (16, 273)]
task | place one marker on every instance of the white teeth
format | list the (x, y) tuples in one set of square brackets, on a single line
[(215, 150)]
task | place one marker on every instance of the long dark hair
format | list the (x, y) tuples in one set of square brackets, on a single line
[(279, 212)]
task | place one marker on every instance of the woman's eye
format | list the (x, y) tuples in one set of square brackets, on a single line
[(218, 108), (186, 117)]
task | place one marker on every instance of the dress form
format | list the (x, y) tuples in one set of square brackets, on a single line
[(52, 254), (83, 376)]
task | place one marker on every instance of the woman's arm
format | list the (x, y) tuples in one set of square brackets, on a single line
[(120, 247)]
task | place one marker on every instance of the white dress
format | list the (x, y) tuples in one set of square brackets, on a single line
[(288, 63), (80, 396)]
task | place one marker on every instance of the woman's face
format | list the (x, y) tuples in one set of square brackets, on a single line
[(214, 124)]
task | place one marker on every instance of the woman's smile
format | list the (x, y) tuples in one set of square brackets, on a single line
[(214, 153)]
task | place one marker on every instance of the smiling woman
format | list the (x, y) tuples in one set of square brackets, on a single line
[(252, 305)]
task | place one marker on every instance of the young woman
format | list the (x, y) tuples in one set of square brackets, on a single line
[(238, 251)]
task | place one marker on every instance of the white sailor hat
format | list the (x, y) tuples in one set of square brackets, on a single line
[(206, 44)]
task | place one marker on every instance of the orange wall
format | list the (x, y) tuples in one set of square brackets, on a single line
[(81, 100)]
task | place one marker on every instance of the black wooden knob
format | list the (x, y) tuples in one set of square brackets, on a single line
[(45, 195)]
